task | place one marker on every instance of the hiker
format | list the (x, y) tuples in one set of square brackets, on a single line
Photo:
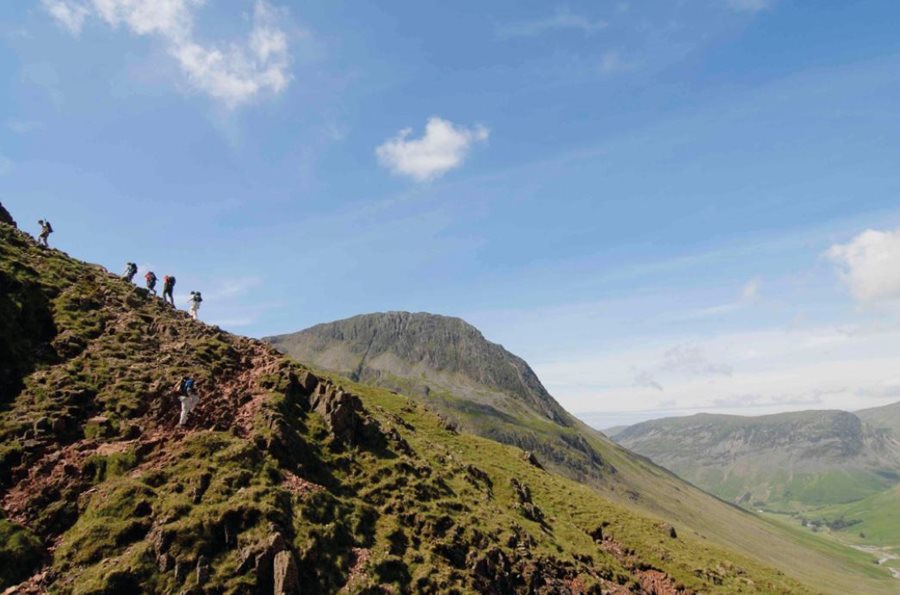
[(168, 289), (150, 277), (195, 304), (130, 271), (187, 394), (46, 230)]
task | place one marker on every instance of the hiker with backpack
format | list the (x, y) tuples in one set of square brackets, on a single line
[(168, 289), (130, 271), (46, 230), (150, 278), (187, 394), (195, 304)]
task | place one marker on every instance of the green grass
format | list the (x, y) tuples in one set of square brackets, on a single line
[(876, 519)]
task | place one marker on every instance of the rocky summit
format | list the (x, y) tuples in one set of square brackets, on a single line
[(283, 480), (477, 385)]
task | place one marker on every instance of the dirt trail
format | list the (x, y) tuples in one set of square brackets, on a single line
[(883, 555), (232, 402)]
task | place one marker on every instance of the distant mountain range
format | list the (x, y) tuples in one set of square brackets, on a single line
[(827, 470), (784, 460)]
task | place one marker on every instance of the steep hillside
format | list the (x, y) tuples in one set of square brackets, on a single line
[(781, 461), (356, 347), (886, 417), (283, 480)]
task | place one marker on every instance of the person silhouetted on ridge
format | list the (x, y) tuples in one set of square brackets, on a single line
[(46, 230), (150, 278), (130, 271), (168, 289), (195, 304), (187, 394)]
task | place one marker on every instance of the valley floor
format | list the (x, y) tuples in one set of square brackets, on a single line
[(887, 557)]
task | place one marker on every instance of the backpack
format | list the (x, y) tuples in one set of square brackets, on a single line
[(197, 297), (49, 227), (186, 386), (169, 282), (132, 268), (150, 277)]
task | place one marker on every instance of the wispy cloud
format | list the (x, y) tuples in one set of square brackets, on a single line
[(690, 359), (680, 361), (612, 62), (70, 15), (645, 378), (870, 265), (6, 166), (443, 147), (23, 126), (232, 73), (749, 5), (562, 20), (748, 294)]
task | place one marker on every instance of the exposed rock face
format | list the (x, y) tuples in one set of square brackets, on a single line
[(287, 582), (5, 217), (450, 352), (475, 384)]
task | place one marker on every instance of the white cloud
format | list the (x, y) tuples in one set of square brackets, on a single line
[(645, 378), (70, 15), (611, 62), (233, 73), (750, 290), (749, 5), (23, 126), (562, 20), (689, 359), (870, 265), (443, 147)]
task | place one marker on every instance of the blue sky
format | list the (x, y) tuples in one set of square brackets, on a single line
[(665, 207)]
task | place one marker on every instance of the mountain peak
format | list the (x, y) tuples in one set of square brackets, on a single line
[(443, 352)]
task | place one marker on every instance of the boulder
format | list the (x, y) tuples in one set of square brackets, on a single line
[(529, 458), (202, 570), (287, 580)]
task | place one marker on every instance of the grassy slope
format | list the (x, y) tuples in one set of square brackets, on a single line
[(887, 416), (89, 462), (878, 519), (642, 486)]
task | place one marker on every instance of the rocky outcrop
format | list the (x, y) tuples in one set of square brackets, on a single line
[(5, 217), (287, 581), (527, 508)]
